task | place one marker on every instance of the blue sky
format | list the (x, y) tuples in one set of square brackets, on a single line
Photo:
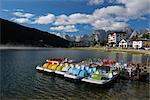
[(77, 16)]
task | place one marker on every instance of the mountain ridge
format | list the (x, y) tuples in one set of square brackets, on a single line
[(13, 33)]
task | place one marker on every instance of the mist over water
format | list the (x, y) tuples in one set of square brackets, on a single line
[(20, 80)]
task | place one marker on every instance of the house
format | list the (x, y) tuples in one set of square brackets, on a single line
[(141, 43), (123, 43), (137, 44), (115, 37)]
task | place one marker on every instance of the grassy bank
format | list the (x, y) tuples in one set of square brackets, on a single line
[(102, 49)]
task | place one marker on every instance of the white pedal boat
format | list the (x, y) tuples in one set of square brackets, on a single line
[(99, 82)]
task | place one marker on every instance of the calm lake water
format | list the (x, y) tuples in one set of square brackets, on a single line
[(20, 80)]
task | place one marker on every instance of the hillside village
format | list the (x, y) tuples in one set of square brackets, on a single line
[(126, 38)]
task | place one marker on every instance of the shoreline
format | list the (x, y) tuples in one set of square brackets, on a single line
[(19, 47), (115, 50), (100, 49), (23, 47)]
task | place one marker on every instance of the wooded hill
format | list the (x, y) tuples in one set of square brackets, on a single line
[(13, 33)]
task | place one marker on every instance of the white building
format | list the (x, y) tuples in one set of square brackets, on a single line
[(123, 43), (137, 44), (143, 43), (115, 37)]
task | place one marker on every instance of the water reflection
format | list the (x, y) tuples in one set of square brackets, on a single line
[(20, 80), (137, 59)]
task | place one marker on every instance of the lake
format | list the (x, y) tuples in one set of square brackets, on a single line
[(20, 80)]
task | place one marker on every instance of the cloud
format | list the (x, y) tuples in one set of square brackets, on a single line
[(18, 10), (79, 18), (5, 10), (61, 20), (104, 18), (110, 11), (136, 8), (66, 28), (21, 14), (76, 18), (21, 20), (95, 2), (22, 17), (108, 18), (109, 25), (49, 18)]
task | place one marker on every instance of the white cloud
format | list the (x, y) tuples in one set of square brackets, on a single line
[(58, 28), (95, 2), (101, 18), (61, 20), (118, 25), (21, 14), (109, 25), (110, 10), (5, 10), (21, 20), (66, 28), (104, 18), (18, 10), (70, 28), (117, 17), (49, 18), (73, 19), (136, 8), (79, 18), (110, 17)]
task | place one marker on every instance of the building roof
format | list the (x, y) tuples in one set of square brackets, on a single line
[(122, 40)]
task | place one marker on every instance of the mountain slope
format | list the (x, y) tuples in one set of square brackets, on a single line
[(17, 34)]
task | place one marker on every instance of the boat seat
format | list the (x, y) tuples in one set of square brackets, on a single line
[(97, 72), (49, 66), (76, 71), (71, 70), (65, 68), (82, 73), (93, 70), (89, 71), (57, 66), (60, 67), (54, 67), (86, 68), (45, 65), (97, 77)]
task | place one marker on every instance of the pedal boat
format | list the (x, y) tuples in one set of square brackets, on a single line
[(101, 79)]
